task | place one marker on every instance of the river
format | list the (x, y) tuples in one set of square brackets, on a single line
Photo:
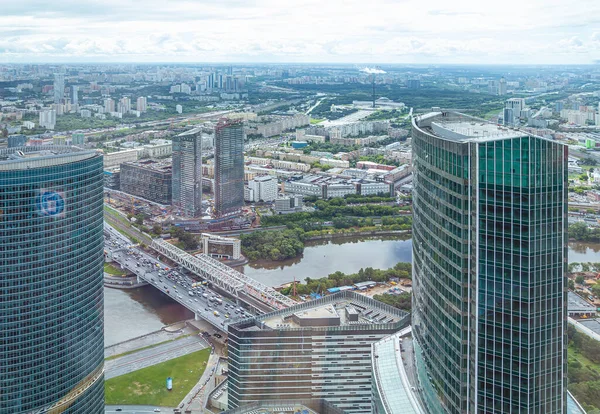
[(129, 313), (134, 312), (321, 258)]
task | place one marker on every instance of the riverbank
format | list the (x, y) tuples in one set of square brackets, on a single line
[(122, 282), (346, 234)]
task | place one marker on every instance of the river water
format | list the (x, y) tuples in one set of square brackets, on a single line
[(134, 312)]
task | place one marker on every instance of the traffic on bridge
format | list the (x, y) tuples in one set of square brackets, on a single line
[(196, 296)]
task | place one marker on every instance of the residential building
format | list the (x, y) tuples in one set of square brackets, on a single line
[(187, 173), (141, 104), (109, 105), (47, 118), (489, 266), (85, 113), (502, 87), (51, 267), (59, 88), (114, 159), (179, 109), (264, 188), (517, 105), (124, 105), (509, 117), (148, 179), (229, 167), (316, 349), (78, 138)]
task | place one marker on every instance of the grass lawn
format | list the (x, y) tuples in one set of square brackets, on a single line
[(113, 270), (148, 385), (314, 121), (574, 355)]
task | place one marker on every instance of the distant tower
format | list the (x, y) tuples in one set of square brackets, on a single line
[(373, 82), (59, 87), (229, 167), (74, 94)]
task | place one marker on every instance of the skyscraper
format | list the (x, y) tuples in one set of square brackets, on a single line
[(187, 172), (59, 87), (74, 94), (489, 263), (141, 104), (51, 287), (229, 167)]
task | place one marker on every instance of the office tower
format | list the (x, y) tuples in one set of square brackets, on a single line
[(210, 81), (109, 105), (220, 81), (517, 105), (187, 172), (51, 294), (508, 117), (229, 167), (313, 350), (141, 104), (502, 87), (59, 87), (489, 264)]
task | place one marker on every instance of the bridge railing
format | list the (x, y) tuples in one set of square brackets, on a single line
[(223, 276)]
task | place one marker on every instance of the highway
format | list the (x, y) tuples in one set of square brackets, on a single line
[(152, 356), (172, 282)]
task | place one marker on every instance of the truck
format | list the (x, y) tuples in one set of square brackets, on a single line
[(219, 301), (216, 313)]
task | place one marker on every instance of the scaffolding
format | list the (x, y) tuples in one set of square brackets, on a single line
[(223, 276)]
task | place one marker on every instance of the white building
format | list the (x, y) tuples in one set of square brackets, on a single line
[(109, 105), (334, 163), (263, 188), (28, 124), (124, 105), (47, 119), (221, 247), (85, 113), (367, 189), (517, 105), (179, 108), (115, 159), (157, 148), (141, 104)]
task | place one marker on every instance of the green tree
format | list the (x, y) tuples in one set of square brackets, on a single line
[(579, 279)]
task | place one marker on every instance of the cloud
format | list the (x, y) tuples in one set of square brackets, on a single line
[(304, 30)]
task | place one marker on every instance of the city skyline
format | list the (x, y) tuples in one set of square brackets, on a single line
[(308, 31)]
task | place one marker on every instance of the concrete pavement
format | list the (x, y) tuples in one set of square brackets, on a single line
[(152, 356), (136, 409), (195, 400)]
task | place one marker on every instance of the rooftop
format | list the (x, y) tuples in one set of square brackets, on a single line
[(24, 158), (162, 166), (577, 303), (345, 309), (467, 131)]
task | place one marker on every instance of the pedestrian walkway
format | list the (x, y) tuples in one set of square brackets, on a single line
[(195, 400)]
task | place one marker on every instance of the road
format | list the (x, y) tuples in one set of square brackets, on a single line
[(136, 409), (152, 356), (172, 282)]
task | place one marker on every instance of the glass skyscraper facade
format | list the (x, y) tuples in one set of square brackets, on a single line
[(51, 287), (229, 168), (489, 266), (187, 172)]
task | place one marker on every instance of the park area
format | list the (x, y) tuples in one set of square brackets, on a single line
[(147, 386)]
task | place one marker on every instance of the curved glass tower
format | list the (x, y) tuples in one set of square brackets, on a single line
[(51, 297), (489, 257)]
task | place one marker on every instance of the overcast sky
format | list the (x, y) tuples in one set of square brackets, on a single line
[(368, 31)]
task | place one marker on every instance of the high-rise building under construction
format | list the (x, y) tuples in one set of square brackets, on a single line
[(229, 168)]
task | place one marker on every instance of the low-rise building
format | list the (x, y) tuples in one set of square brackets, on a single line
[(263, 189), (221, 247), (288, 204), (114, 159), (149, 179)]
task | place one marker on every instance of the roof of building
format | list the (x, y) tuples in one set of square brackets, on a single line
[(23, 158), (576, 303), (162, 166), (391, 379), (328, 312)]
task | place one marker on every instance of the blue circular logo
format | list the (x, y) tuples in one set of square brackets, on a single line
[(51, 203)]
